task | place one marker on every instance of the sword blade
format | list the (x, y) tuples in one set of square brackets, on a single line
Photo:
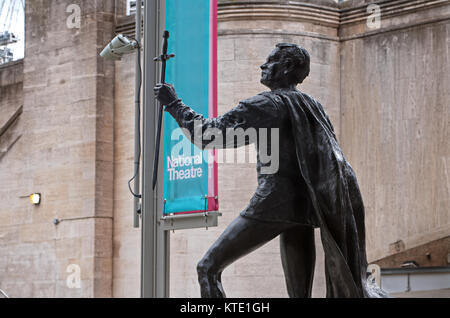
[(160, 109)]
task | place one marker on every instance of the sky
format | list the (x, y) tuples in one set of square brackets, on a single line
[(12, 19)]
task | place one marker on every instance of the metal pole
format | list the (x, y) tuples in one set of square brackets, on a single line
[(137, 123), (155, 241), (151, 25), (162, 237)]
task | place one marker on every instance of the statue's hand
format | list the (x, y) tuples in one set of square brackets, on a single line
[(165, 93)]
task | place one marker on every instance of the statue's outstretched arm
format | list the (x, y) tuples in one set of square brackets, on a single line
[(235, 128)]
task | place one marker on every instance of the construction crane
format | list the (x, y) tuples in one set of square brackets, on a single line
[(7, 37), (6, 55), (131, 6), (9, 13)]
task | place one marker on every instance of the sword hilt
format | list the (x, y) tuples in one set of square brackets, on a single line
[(164, 57), (165, 42)]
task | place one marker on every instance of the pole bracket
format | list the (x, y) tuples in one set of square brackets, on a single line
[(190, 220)]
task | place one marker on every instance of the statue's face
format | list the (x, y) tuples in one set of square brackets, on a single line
[(272, 74)]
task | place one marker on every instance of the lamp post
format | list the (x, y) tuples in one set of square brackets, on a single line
[(154, 236), (155, 239)]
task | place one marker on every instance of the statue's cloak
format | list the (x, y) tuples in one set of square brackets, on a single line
[(334, 195)]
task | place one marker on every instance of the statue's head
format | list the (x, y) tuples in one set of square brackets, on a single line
[(286, 66)]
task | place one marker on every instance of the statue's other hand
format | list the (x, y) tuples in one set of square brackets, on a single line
[(165, 93)]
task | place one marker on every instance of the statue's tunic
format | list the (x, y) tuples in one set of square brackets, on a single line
[(281, 195)]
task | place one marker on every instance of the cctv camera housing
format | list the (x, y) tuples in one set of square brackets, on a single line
[(119, 46)]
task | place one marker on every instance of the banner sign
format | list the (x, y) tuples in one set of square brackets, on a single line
[(190, 174)]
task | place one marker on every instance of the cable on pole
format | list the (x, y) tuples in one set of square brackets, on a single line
[(13, 10), (1, 8), (7, 15)]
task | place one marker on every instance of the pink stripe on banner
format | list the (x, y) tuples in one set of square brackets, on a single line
[(213, 203)]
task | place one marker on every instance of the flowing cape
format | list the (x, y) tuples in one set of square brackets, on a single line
[(334, 194)]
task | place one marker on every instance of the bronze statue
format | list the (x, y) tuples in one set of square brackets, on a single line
[(314, 186)]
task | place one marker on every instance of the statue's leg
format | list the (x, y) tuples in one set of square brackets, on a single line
[(241, 237), (298, 257)]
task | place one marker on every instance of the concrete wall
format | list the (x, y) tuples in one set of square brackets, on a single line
[(65, 153), (395, 119), (11, 107), (127, 240), (11, 155), (11, 91)]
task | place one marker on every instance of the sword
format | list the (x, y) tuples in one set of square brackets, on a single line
[(163, 59)]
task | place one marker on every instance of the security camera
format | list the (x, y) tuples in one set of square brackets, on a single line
[(119, 46)]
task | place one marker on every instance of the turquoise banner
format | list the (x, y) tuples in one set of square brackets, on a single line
[(190, 174)]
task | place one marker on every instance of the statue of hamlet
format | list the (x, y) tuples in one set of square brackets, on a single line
[(313, 187)]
